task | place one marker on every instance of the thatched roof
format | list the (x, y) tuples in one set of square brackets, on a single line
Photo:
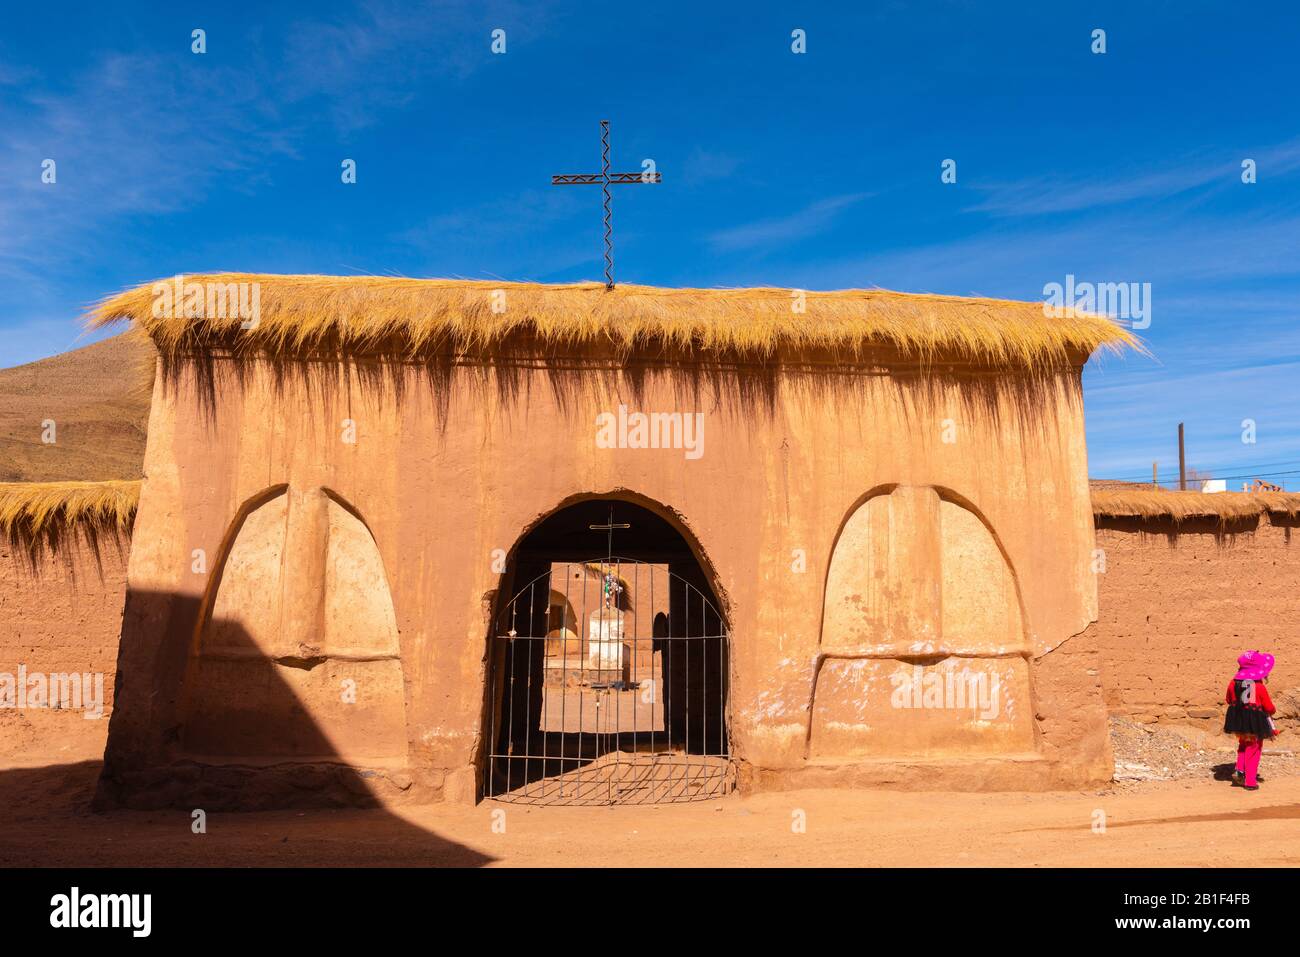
[(1144, 502), (417, 317), (42, 516)]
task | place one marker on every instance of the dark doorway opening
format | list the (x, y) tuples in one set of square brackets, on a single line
[(608, 664)]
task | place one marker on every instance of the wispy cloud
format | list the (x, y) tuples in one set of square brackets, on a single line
[(138, 135), (782, 231), (378, 55), (705, 166), (503, 231), (1049, 194), (131, 135), (1134, 419), (147, 133), (1015, 260)]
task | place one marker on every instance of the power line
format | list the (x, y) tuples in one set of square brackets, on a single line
[(1253, 474), (1264, 465)]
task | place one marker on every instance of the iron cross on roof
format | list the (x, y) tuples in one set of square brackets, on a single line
[(606, 179)]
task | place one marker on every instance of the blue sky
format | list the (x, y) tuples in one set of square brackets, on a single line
[(819, 170)]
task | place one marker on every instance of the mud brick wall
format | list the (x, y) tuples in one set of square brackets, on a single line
[(61, 614), (1178, 604), (1176, 607)]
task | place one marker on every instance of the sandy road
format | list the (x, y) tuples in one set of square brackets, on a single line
[(46, 822)]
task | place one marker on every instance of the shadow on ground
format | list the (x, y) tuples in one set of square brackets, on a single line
[(48, 822)]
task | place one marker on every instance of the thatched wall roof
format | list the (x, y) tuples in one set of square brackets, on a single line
[(1149, 503), (39, 517), (415, 317)]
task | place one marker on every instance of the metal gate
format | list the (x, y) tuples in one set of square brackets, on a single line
[(608, 685)]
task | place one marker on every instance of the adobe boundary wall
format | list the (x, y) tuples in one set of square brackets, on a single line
[(1179, 603), (60, 615)]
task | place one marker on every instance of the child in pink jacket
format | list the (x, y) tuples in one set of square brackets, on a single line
[(1249, 715)]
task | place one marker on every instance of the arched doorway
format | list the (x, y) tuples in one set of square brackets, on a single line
[(608, 663)]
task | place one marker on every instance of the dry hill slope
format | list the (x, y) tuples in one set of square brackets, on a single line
[(98, 398)]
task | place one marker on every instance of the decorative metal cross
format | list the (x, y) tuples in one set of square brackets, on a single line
[(609, 527), (606, 179)]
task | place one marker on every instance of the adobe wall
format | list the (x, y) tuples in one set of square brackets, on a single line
[(61, 615), (1178, 605), (969, 484)]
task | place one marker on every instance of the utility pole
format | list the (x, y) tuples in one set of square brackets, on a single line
[(1182, 461), (1155, 475)]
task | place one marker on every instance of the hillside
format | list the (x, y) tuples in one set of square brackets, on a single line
[(98, 398)]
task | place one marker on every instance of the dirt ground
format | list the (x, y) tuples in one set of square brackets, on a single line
[(1189, 819), (1172, 752)]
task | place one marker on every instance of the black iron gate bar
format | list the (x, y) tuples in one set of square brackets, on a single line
[(579, 778)]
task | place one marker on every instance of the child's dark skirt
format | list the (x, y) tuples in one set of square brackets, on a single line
[(1247, 718)]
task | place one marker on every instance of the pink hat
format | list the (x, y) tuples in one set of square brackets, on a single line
[(1255, 665)]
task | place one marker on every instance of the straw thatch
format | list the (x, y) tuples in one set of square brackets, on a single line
[(40, 517), (417, 317), (1150, 503)]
